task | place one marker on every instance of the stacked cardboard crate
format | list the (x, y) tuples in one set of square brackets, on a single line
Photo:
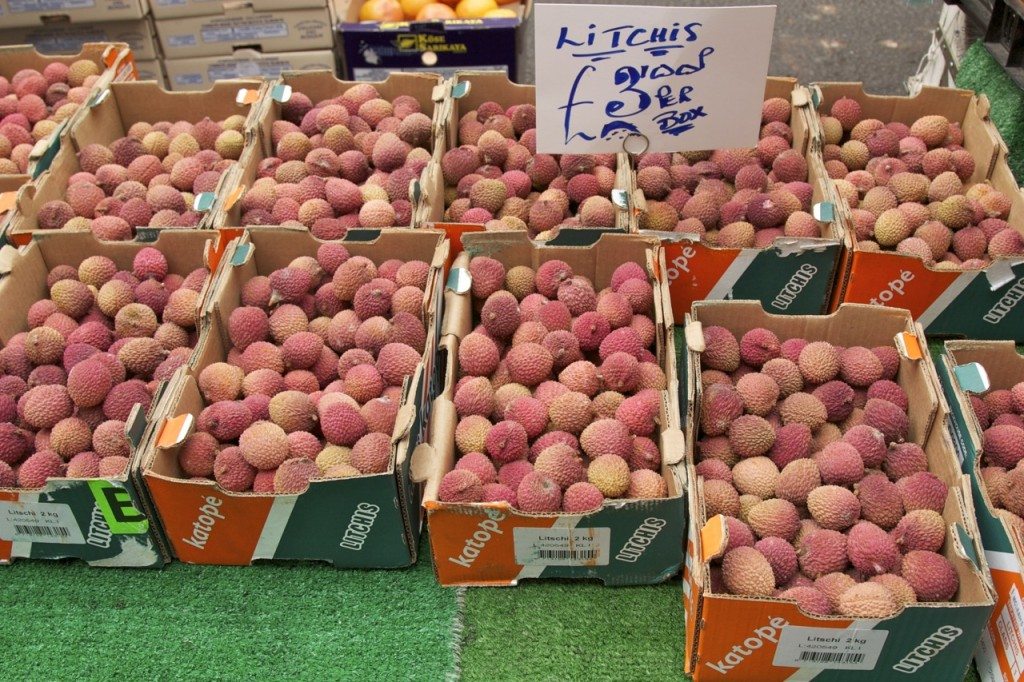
[(208, 40), (64, 26)]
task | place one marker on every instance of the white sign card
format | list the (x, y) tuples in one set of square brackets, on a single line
[(668, 78)]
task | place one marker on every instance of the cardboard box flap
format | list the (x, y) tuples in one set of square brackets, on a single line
[(1000, 272), (432, 459), (694, 333), (963, 544), (456, 297), (801, 96), (674, 444), (175, 430), (9, 256), (406, 416), (714, 536), (908, 345), (972, 377)]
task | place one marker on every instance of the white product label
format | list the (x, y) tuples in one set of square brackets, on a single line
[(170, 3), (191, 78), (18, 6), (184, 40), (1010, 625), (679, 78), (245, 31), (834, 649), (374, 74), (562, 546), (39, 522)]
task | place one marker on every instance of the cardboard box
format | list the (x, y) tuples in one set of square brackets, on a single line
[(24, 13), (9, 186), (965, 368), (69, 38), (104, 522), (114, 60), (244, 27), (975, 304), (469, 89), (200, 73), (626, 542), (426, 196), (23, 222), (173, 9), (368, 521), (151, 70), (108, 116), (793, 276), (370, 50), (729, 636)]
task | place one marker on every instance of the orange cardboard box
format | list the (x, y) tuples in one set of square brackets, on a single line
[(975, 367), (735, 637), (108, 116), (103, 522), (794, 276), (369, 521), (976, 304), (115, 61), (469, 89), (626, 542), (425, 194)]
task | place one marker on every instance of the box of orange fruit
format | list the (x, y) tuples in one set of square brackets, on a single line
[(439, 36)]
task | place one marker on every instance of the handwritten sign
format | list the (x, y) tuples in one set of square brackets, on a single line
[(658, 78)]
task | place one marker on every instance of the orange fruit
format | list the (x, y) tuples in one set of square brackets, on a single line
[(435, 10), (381, 10), (412, 7), (501, 13), (474, 9)]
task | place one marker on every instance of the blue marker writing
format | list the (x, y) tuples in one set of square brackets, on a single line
[(572, 103)]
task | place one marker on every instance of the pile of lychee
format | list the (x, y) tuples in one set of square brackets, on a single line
[(98, 345), (1000, 413), (736, 198), (559, 390), (907, 188), (312, 384), (341, 163), (803, 448), (496, 177), (148, 178), (33, 104)]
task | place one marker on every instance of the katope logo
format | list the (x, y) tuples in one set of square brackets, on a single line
[(486, 530), (739, 652), (209, 513)]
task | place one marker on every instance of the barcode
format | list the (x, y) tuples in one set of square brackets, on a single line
[(830, 657), (43, 531), (568, 555)]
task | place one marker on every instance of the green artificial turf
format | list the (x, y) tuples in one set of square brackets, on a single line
[(573, 631), (282, 621), (980, 72)]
